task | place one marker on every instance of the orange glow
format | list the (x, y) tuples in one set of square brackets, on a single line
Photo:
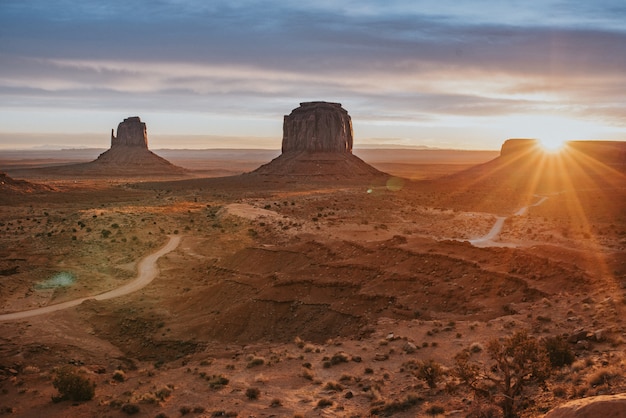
[(551, 145)]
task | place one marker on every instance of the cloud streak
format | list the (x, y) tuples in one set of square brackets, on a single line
[(391, 63)]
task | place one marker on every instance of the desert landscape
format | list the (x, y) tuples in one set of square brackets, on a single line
[(316, 281)]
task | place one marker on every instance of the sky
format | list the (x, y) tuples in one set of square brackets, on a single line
[(222, 73)]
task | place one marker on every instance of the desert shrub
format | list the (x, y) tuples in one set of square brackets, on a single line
[(519, 361), (339, 358), (299, 342), (435, 410), (479, 410), (308, 375), (390, 408), (149, 398), (184, 410), (256, 361), (323, 403), (276, 403), (72, 386), (222, 413), (130, 408), (430, 371), (119, 376), (217, 381), (601, 377), (163, 393), (333, 386), (476, 347), (253, 393), (559, 391), (559, 351)]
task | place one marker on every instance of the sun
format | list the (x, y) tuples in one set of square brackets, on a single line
[(552, 144)]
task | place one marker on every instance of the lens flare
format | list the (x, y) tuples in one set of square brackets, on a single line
[(552, 145)]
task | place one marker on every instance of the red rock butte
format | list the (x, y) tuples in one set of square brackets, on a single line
[(131, 132), (317, 127), (317, 142), (129, 153)]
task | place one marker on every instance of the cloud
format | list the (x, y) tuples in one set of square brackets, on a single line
[(413, 61)]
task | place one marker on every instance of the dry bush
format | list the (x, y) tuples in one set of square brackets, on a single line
[(559, 351), (130, 408), (217, 381), (430, 371), (390, 408), (255, 361), (324, 402), (119, 376), (253, 393), (339, 358), (559, 391), (476, 347), (602, 376), (72, 385), (333, 386), (307, 374), (520, 360), (299, 342)]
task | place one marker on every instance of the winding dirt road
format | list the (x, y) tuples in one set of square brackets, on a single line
[(488, 240), (147, 270)]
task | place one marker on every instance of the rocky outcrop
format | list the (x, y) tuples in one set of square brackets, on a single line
[(317, 144), (131, 132), (317, 127), (10, 186), (518, 145), (128, 156), (606, 406)]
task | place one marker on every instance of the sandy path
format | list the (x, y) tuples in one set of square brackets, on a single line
[(487, 240), (147, 270)]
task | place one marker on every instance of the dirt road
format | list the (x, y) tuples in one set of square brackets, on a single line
[(488, 240), (147, 270)]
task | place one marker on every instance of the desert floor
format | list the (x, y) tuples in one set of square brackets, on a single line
[(316, 298)]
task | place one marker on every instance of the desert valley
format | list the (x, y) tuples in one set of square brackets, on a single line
[(322, 280)]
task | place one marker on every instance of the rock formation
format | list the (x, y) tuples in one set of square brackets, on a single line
[(317, 127), (517, 145), (10, 186), (605, 406), (317, 142), (131, 132), (128, 156)]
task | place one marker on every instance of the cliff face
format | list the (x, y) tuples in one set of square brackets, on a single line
[(514, 146), (611, 153), (317, 127), (317, 144), (131, 132)]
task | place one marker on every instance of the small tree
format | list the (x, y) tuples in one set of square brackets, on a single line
[(72, 386), (559, 351), (519, 361), (430, 371)]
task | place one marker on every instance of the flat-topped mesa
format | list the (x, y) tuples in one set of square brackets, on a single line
[(317, 127), (517, 145), (131, 132)]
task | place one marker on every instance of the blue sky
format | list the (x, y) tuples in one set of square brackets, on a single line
[(223, 73)]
